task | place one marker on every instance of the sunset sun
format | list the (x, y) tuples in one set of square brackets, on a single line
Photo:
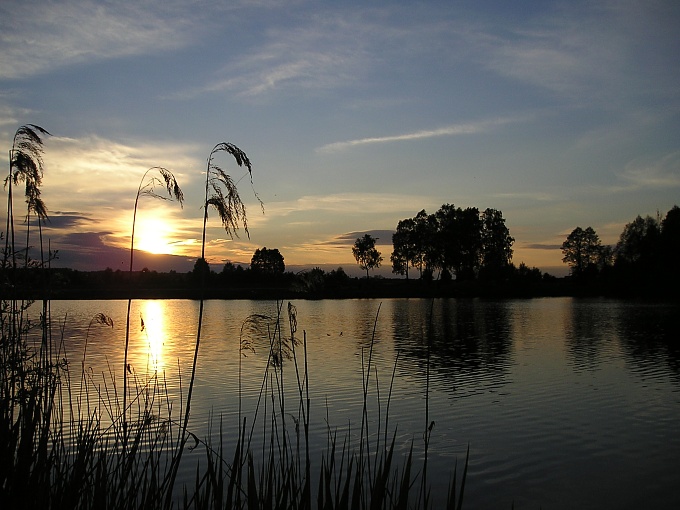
[(153, 236)]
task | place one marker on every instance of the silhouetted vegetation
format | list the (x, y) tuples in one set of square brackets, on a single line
[(267, 263), (238, 282), (366, 254), (644, 262), (584, 253), (456, 243)]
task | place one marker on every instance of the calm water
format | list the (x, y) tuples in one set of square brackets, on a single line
[(564, 403)]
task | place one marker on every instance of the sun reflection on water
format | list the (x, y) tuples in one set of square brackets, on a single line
[(153, 333)]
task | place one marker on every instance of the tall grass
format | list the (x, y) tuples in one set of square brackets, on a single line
[(79, 440)]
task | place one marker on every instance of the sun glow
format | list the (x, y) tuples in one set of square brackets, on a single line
[(153, 235)]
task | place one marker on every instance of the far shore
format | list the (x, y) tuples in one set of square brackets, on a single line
[(356, 288)]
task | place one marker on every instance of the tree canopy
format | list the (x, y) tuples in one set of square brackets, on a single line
[(406, 253), (644, 260), (455, 241), (366, 254), (266, 261), (582, 250)]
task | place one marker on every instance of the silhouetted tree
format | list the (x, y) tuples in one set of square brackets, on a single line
[(447, 239), (229, 267), (266, 261), (670, 244), (428, 254), (458, 241), (366, 254), (232, 273), (496, 245), (524, 272), (468, 228), (638, 245), (201, 270), (311, 281), (405, 245), (337, 277), (582, 250)]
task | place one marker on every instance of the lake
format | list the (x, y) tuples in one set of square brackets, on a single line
[(564, 403)]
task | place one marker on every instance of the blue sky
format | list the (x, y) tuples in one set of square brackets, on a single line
[(355, 115)]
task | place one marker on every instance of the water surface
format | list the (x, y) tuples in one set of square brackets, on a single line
[(564, 403)]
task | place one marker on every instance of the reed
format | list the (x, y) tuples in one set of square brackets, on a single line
[(148, 187), (221, 194)]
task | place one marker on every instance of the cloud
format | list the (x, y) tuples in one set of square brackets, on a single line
[(36, 37), (85, 241), (90, 186), (335, 249), (65, 220), (9, 116), (384, 237), (452, 130), (663, 173), (529, 196), (363, 203), (92, 170), (586, 52), (318, 53), (88, 251), (542, 246), (325, 48)]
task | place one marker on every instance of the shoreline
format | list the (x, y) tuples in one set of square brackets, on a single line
[(355, 289)]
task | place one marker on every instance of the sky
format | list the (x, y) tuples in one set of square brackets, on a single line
[(354, 114)]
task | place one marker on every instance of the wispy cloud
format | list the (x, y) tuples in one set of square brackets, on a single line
[(90, 251), (365, 203), (97, 168), (312, 54), (324, 48), (9, 117), (585, 52), (452, 130), (383, 237), (528, 196), (67, 220), (663, 173), (542, 246), (91, 182), (38, 36)]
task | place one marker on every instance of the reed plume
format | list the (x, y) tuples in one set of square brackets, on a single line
[(25, 166)]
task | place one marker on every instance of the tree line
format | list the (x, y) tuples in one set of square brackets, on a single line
[(452, 242), (265, 275), (646, 256)]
